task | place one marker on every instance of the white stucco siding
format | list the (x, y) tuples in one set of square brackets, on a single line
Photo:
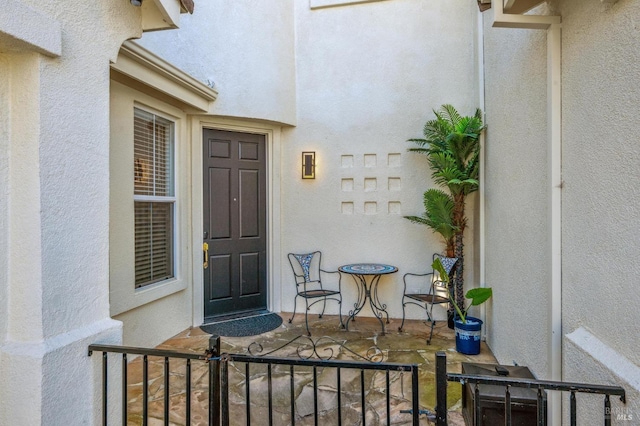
[(24, 269), (150, 314), (4, 186), (368, 77), (73, 95), (70, 155), (601, 171), (517, 244), (153, 323), (56, 214), (601, 201), (244, 47)]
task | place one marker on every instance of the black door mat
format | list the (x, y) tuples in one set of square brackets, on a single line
[(247, 326)]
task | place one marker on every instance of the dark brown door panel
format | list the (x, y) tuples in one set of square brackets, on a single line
[(234, 183)]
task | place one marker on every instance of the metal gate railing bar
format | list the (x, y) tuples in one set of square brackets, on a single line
[(442, 377), (218, 380)]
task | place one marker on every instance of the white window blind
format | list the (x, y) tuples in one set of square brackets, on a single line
[(154, 198)]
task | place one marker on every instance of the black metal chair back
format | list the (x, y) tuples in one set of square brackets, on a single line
[(427, 290), (308, 274)]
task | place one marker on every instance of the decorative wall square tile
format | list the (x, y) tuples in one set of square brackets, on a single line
[(370, 160), (347, 185), (370, 207), (395, 207), (347, 207), (395, 184), (370, 184), (394, 160), (347, 161)]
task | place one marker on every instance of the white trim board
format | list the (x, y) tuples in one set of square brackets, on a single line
[(272, 133), (140, 64), (607, 356)]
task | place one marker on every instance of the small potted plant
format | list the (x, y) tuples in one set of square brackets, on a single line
[(467, 328)]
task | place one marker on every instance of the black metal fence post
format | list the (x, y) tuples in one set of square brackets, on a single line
[(214, 381), (416, 397), (441, 388), (224, 386)]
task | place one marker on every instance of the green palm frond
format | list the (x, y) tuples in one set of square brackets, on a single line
[(419, 142), (452, 141), (449, 177), (451, 114), (438, 213)]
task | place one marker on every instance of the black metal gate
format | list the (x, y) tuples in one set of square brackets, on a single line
[(539, 386), (282, 381)]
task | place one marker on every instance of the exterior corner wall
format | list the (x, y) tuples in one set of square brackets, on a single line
[(54, 180), (516, 195), (5, 126), (600, 70), (245, 49), (601, 202)]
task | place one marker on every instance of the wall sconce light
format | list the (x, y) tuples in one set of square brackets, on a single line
[(137, 3), (309, 165)]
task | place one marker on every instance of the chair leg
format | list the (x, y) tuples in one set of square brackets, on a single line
[(306, 316), (433, 323), (404, 305), (295, 300), (431, 320), (340, 311), (324, 306)]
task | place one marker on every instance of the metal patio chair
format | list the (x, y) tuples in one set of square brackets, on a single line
[(426, 290), (308, 273)]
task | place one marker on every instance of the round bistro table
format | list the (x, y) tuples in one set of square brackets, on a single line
[(366, 277)]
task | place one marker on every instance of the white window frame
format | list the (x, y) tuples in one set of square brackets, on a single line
[(143, 80), (173, 199)]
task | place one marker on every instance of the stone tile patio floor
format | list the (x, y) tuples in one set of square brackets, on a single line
[(407, 347)]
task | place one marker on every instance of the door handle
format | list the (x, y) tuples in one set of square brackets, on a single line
[(205, 249)]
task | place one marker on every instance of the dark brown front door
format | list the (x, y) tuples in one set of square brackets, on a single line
[(234, 222)]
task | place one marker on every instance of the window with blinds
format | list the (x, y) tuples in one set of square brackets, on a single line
[(154, 198)]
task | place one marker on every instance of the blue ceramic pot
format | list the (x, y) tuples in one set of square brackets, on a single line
[(468, 335)]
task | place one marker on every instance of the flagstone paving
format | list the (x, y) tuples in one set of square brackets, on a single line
[(407, 347)]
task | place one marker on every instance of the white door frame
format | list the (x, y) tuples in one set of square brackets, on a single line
[(273, 135)]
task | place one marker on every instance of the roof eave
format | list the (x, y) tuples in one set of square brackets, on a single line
[(187, 6)]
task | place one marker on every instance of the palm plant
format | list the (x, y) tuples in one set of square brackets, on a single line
[(452, 145), (438, 215)]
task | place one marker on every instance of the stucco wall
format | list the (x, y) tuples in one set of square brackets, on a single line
[(365, 84), (517, 246), (245, 48), (150, 314), (153, 323), (600, 211), (57, 220), (4, 187), (601, 201)]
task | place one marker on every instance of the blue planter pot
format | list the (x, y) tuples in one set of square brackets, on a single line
[(468, 335)]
